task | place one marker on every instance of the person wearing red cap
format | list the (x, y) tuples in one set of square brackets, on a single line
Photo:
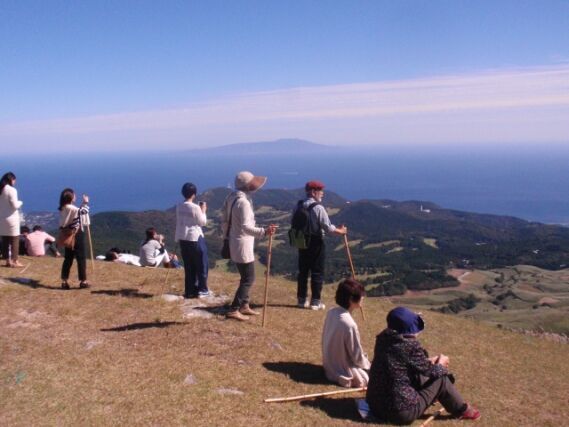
[(311, 260)]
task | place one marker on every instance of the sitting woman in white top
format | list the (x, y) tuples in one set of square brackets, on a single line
[(344, 360), (153, 252)]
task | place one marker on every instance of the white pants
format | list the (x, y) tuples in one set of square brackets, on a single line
[(161, 258)]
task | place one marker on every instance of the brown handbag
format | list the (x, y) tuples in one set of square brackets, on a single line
[(66, 237)]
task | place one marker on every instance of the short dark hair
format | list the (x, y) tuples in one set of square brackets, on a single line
[(66, 197), (25, 229), (150, 232), (37, 228), (349, 290), (188, 190)]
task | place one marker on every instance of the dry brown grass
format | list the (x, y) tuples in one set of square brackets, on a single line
[(109, 357)]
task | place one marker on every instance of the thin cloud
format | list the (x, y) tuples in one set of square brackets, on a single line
[(505, 99)]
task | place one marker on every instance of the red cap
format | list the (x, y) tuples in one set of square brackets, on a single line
[(314, 185)]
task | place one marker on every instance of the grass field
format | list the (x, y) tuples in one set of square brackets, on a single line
[(118, 354)]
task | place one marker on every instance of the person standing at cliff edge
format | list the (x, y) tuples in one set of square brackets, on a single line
[(10, 220), (238, 222), (311, 259)]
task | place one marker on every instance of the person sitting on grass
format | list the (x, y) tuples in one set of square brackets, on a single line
[(153, 252), (38, 241), (24, 232), (404, 381), (343, 358)]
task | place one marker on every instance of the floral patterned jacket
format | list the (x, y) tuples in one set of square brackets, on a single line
[(395, 376)]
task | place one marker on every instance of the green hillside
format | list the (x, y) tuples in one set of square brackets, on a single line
[(396, 246)]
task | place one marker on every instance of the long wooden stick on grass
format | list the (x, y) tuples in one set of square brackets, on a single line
[(268, 272), (312, 396), (432, 417), (349, 253)]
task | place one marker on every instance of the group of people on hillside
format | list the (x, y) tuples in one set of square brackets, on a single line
[(402, 380)]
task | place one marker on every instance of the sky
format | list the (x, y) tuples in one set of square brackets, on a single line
[(146, 75)]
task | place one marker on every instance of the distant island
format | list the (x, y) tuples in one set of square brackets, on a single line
[(279, 146)]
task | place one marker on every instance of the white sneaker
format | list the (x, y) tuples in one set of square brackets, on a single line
[(319, 306), (303, 304)]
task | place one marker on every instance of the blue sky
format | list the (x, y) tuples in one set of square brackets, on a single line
[(181, 74)]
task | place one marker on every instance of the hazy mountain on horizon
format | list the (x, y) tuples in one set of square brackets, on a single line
[(278, 146)]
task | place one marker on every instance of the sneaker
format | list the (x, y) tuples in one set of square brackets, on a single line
[(317, 306), (236, 315), (302, 303), (65, 285), (248, 311), (204, 294), (470, 413), (84, 285)]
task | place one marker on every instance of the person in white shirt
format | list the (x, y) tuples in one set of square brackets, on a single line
[(10, 220), (343, 358), (153, 251), (190, 218), (74, 218)]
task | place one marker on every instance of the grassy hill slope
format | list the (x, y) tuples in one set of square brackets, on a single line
[(117, 354)]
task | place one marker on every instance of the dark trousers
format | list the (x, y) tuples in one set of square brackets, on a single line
[(311, 261), (247, 273), (79, 253), (14, 243), (441, 389), (194, 255)]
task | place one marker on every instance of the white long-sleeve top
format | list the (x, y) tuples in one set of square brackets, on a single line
[(9, 215), (189, 222), (342, 354), (74, 217), (243, 230)]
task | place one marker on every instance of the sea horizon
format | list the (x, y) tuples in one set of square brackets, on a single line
[(524, 183)]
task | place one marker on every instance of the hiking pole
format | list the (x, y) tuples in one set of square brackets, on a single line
[(267, 273), (312, 396), (432, 417), (91, 248), (347, 245)]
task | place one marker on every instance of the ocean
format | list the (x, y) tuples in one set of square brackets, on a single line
[(529, 183)]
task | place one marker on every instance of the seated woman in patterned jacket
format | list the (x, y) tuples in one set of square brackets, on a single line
[(404, 381)]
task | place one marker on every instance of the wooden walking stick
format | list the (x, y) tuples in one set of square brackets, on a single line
[(347, 245), (268, 272), (432, 417), (312, 396), (91, 247)]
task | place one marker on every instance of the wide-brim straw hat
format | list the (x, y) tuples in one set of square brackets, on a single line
[(246, 181)]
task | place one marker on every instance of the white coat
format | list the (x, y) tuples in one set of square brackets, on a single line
[(243, 230), (9, 215)]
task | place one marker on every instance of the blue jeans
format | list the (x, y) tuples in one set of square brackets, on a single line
[(194, 255)]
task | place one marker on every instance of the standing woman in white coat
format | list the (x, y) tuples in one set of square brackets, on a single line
[(238, 211), (10, 220)]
